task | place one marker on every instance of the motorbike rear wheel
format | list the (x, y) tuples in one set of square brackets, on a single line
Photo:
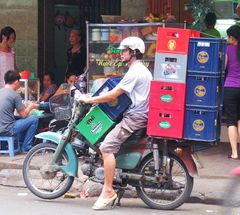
[(170, 193), (45, 186)]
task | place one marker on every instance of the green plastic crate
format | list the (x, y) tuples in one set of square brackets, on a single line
[(94, 125)]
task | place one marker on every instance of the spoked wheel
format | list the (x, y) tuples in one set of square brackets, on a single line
[(47, 182), (170, 191), (232, 198)]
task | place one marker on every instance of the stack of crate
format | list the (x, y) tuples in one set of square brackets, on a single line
[(103, 117), (167, 92), (204, 97)]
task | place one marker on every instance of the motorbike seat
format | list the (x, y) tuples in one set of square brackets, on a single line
[(137, 135), (140, 132)]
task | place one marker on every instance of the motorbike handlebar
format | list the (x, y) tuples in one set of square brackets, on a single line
[(77, 86)]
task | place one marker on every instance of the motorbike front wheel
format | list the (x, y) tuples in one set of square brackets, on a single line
[(44, 184), (171, 190)]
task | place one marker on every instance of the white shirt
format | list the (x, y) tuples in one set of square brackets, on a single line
[(136, 83), (6, 63)]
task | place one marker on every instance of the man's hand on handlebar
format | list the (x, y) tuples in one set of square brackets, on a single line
[(85, 99)]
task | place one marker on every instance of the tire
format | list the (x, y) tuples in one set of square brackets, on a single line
[(53, 187), (232, 197), (166, 195)]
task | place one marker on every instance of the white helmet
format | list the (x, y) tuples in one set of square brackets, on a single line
[(133, 43)]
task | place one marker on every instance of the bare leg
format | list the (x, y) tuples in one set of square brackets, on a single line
[(109, 171), (233, 137), (238, 127), (108, 195)]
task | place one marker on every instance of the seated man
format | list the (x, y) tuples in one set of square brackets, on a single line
[(25, 128)]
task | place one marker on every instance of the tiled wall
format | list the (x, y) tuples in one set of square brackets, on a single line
[(22, 16), (133, 8)]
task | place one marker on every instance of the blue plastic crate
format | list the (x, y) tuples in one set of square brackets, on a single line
[(202, 124), (113, 109), (207, 55), (203, 90)]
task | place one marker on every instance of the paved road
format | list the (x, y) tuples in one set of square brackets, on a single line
[(15, 201), (208, 191)]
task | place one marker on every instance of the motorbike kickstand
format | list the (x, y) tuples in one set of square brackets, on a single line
[(120, 193)]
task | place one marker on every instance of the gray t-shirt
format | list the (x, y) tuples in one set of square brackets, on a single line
[(136, 83), (10, 100)]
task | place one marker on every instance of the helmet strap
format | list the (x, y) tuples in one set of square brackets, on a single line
[(132, 54)]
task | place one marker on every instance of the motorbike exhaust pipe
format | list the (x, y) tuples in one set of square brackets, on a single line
[(138, 177)]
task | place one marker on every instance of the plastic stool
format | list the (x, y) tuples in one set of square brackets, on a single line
[(9, 148)]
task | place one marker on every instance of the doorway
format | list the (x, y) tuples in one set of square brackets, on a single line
[(53, 32), (66, 18)]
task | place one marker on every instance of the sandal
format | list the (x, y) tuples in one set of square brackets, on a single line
[(230, 157), (102, 203)]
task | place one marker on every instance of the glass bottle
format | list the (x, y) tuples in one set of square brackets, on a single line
[(83, 83)]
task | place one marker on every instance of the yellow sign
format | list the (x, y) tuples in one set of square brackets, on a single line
[(172, 45), (202, 57), (114, 63), (198, 125), (200, 91)]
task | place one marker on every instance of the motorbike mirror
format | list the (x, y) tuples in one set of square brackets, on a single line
[(77, 86)]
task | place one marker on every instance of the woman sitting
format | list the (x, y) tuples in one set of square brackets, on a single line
[(49, 88), (67, 87)]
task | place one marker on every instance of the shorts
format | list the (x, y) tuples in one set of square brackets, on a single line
[(121, 132), (231, 104)]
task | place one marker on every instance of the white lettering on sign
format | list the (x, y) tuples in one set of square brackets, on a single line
[(203, 44)]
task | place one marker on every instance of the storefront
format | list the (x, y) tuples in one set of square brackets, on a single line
[(43, 26)]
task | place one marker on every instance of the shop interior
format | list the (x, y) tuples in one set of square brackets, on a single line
[(54, 28)]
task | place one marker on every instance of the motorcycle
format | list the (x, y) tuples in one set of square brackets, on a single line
[(161, 170)]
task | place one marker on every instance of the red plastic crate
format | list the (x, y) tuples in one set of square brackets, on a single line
[(174, 40), (165, 123), (167, 95)]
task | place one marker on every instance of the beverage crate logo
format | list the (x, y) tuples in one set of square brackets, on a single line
[(169, 71), (166, 98), (172, 45), (198, 125), (95, 127), (202, 57), (164, 125), (200, 91)]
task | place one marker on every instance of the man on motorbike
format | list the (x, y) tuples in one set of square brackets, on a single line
[(136, 84)]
